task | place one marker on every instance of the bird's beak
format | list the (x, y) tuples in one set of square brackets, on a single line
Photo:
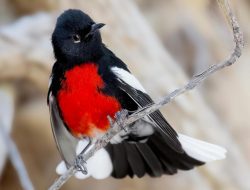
[(96, 27)]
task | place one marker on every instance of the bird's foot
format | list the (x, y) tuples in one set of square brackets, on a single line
[(81, 164), (111, 121), (120, 117)]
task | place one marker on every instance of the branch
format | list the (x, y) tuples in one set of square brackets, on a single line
[(123, 121), (7, 104)]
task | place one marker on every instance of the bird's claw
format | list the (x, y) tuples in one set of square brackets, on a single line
[(111, 121), (80, 165), (120, 116)]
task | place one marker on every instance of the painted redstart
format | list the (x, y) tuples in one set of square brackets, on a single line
[(87, 84)]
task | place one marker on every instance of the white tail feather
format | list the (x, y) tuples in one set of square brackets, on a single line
[(200, 150)]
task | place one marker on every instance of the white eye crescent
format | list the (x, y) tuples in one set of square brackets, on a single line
[(76, 38)]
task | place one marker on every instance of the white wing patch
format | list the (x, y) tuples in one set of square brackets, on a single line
[(200, 150), (128, 78), (99, 165)]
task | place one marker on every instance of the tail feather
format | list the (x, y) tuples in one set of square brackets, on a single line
[(174, 159), (200, 150), (135, 160), (154, 157), (120, 161), (151, 160)]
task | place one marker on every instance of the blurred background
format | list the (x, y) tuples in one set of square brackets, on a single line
[(164, 43)]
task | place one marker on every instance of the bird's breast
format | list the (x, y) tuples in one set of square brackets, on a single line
[(83, 106)]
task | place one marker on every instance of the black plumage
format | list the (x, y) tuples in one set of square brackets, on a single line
[(154, 158), (135, 160)]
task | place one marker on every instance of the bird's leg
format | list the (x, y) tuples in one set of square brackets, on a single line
[(80, 163), (111, 121), (120, 116)]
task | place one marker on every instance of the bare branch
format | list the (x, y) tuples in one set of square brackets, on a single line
[(123, 122), (9, 143)]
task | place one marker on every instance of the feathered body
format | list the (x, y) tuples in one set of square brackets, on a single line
[(89, 83)]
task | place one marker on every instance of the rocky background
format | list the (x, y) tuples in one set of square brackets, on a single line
[(164, 43)]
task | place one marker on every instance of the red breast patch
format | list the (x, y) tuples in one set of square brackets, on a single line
[(83, 106)]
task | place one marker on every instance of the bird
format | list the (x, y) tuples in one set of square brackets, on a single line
[(88, 84)]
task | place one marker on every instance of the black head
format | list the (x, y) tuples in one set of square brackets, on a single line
[(76, 38)]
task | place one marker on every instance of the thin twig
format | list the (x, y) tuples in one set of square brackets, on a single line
[(122, 122), (12, 150)]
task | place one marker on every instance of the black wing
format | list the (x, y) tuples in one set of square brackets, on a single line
[(116, 74), (161, 154), (142, 100)]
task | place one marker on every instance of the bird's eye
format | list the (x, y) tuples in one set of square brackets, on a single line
[(76, 38)]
